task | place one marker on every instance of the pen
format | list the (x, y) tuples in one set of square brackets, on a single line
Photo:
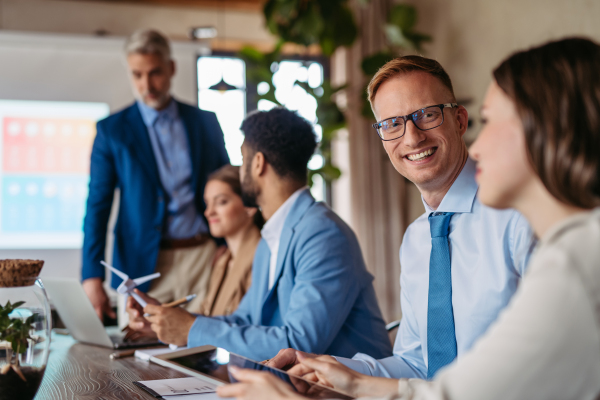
[(121, 354), (181, 301), (176, 303)]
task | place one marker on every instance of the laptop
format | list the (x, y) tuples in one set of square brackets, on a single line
[(78, 315)]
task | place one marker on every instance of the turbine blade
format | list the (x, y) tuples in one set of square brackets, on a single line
[(120, 274), (143, 279), (138, 299)]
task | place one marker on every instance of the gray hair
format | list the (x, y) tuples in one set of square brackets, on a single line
[(148, 41)]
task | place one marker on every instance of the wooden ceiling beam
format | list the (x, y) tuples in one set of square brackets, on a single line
[(249, 5)]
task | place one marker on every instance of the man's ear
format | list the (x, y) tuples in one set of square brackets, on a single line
[(173, 67), (259, 164), (462, 118)]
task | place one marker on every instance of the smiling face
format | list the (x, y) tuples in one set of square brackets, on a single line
[(431, 159), (225, 211), (504, 173), (151, 77)]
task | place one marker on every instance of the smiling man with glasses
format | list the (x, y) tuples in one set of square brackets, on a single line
[(461, 261)]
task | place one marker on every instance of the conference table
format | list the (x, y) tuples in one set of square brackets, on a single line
[(82, 372)]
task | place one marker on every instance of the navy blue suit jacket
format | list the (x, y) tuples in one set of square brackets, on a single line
[(322, 300), (122, 157)]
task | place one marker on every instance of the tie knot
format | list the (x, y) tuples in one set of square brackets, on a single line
[(439, 223)]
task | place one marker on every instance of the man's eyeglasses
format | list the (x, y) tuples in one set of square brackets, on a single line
[(424, 119)]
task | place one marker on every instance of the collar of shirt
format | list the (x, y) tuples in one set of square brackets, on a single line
[(271, 231), (462, 193), (150, 115)]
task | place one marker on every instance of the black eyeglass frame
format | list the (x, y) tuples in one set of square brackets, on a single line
[(410, 116)]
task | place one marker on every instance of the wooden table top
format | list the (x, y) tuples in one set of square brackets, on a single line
[(80, 371)]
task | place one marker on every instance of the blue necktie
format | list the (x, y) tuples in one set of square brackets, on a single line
[(441, 338)]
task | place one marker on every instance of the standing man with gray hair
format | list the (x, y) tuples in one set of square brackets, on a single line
[(158, 152)]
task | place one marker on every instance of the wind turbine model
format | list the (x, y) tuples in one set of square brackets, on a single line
[(127, 286)]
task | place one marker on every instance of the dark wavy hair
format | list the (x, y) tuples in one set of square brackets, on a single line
[(556, 89), (287, 140), (230, 175)]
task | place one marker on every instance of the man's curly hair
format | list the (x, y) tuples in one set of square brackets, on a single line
[(287, 140)]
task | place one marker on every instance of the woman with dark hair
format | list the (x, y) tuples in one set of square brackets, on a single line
[(231, 274), (537, 153)]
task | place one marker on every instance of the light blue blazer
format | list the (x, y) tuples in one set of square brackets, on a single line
[(322, 301)]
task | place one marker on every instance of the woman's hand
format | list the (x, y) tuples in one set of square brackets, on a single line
[(257, 385), (329, 372)]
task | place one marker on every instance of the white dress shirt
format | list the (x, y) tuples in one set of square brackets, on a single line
[(546, 344), (489, 252), (271, 231)]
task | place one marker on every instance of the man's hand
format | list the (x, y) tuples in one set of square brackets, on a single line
[(329, 372), (172, 325), (257, 385), (139, 327), (303, 370), (95, 292), (285, 359)]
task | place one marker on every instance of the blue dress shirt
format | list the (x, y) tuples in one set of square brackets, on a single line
[(171, 150), (489, 250)]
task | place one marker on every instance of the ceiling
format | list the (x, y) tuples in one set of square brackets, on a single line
[(229, 4)]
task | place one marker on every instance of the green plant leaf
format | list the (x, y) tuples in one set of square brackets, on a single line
[(418, 39), (395, 37), (329, 23), (371, 64), (403, 16), (250, 53)]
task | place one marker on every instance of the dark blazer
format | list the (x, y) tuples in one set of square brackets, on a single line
[(122, 157)]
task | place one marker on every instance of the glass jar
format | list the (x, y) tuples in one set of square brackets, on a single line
[(24, 330)]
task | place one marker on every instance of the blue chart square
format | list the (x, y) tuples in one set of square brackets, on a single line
[(38, 204)]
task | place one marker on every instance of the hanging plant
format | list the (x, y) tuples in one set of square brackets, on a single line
[(328, 23)]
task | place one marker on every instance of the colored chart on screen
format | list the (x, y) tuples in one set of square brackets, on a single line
[(45, 149)]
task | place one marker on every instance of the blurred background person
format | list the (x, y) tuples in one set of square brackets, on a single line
[(240, 226), (231, 274), (159, 153)]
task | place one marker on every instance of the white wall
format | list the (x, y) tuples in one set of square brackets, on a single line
[(77, 68), (122, 18)]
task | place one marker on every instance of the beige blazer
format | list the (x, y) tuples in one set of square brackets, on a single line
[(230, 277)]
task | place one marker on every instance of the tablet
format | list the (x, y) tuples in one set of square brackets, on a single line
[(211, 363)]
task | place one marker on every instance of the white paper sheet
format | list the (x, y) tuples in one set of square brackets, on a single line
[(172, 388)]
